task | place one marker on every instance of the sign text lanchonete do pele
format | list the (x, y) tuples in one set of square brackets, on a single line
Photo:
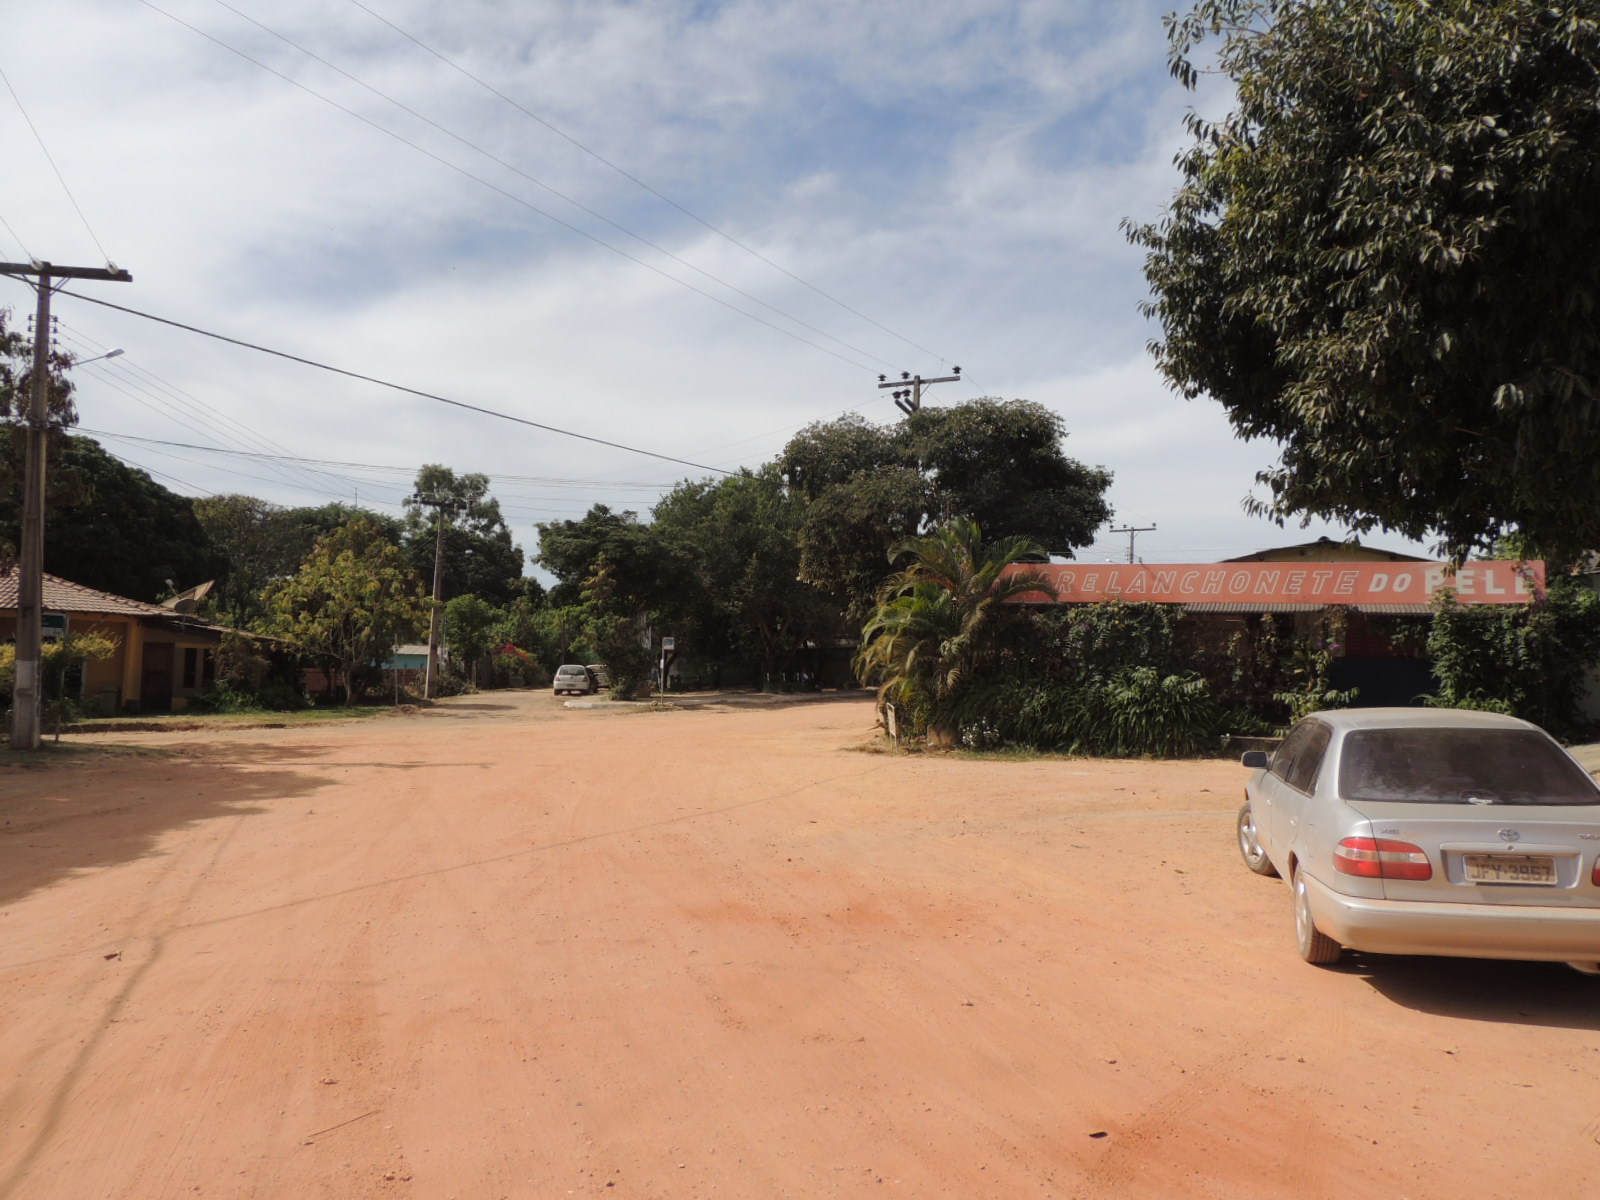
[(1269, 583)]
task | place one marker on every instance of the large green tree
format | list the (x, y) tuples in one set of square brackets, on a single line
[(1387, 259), (351, 603), (869, 487), (262, 542), (642, 568), (320, 520), (111, 526), (16, 390), (740, 597), (107, 525), (476, 554)]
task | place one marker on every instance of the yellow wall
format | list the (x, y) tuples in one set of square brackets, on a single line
[(113, 684)]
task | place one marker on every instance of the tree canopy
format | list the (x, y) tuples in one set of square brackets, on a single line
[(739, 594), (1387, 259), (16, 379), (110, 526), (477, 556), (351, 603), (16, 390), (642, 566), (262, 542), (870, 487), (933, 620)]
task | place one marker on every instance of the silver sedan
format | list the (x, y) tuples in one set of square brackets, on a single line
[(1429, 831)]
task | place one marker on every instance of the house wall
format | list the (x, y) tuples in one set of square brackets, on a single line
[(117, 684)]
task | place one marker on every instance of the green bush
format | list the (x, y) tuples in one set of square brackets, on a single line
[(1528, 660), (1141, 712), (272, 696), (1132, 679), (1132, 713)]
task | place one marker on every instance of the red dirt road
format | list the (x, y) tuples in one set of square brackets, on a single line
[(505, 949)]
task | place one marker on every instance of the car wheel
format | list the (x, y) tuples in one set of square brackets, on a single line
[(1250, 845), (1316, 947)]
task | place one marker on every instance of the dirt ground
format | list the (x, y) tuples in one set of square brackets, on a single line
[(510, 949)]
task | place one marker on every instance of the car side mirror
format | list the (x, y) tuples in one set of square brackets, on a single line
[(1258, 759)]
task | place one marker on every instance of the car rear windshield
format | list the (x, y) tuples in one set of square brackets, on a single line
[(1460, 766)]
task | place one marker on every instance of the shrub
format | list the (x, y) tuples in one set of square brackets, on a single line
[(1141, 712), (1133, 712), (1526, 660)]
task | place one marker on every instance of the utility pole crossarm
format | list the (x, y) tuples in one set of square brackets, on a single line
[(109, 273), (1133, 532), (909, 399)]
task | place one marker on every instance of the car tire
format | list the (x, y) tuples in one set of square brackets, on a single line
[(1316, 947), (1250, 844)]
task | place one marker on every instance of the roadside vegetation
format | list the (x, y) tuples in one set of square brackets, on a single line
[(1379, 261), (956, 665)]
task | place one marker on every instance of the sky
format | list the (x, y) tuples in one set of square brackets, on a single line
[(680, 226)]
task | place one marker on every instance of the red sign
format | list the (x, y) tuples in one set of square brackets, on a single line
[(1269, 583)]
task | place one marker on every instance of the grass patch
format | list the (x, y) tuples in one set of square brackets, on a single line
[(53, 754), (262, 719)]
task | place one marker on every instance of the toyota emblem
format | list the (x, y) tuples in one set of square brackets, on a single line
[(1510, 835)]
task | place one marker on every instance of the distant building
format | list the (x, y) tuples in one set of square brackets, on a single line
[(1325, 549), (1305, 587)]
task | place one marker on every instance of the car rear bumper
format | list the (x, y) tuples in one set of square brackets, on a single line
[(1536, 933)]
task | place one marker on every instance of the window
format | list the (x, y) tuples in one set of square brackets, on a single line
[(191, 667), (1283, 756), (1298, 759), (1303, 775), (1460, 766)]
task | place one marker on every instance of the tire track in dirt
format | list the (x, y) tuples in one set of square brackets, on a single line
[(226, 1022), (50, 1124)]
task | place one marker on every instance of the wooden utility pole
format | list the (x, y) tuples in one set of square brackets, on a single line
[(443, 504), (1132, 533), (909, 399), (27, 692)]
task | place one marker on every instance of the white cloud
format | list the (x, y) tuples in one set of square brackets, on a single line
[(955, 175)]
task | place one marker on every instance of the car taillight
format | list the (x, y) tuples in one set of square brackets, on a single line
[(1594, 876), (1381, 858)]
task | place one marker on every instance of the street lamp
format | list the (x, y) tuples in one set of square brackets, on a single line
[(78, 362)]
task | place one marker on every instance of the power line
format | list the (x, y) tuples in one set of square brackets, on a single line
[(124, 376), (536, 480), (641, 183), (560, 195), (488, 412), (16, 237), (106, 258), (515, 199)]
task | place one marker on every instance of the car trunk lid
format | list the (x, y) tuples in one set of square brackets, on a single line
[(1495, 854)]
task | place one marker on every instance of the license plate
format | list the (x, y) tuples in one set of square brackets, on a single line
[(1510, 868)]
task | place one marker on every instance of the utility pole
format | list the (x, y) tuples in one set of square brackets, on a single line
[(909, 400), (1132, 533), (26, 695), (443, 504)]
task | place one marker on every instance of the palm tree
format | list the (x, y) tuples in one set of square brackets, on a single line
[(932, 619)]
